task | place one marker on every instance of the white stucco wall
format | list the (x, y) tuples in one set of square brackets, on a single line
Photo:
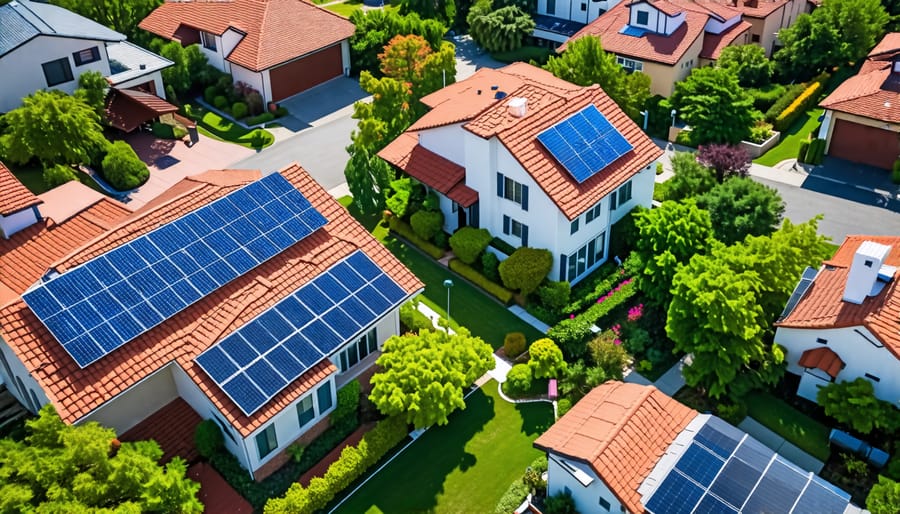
[(17, 221), (715, 26), (657, 20), (215, 57), (22, 73), (156, 77), (25, 381), (855, 349), (587, 499), (447, 141), (137, 402), (229, 39), (641, 193), (253, 78)]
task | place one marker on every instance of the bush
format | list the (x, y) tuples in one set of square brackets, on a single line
[(563, 406), (782, 103), (281, 112), (472, 275), (594, 286), (801, 153), (555, 295), (238, 110), (764, 98), (401, 227), (255, 104), (608, 353), (220, 102), (895, 172), (546, 359), (512, 498), (490, 265), (560, 503), (163, 131), (347, 401), (733, 413), (426, 224), (208, 438), (468, 243), (296, 451), (570, 335), (816, 151), (514, 344), (759, 133), (122, 168), (441, 240), (798, 107), (210, 94), (262, 118), (518, 380), (413, 319), (58, 175), (526, 268)]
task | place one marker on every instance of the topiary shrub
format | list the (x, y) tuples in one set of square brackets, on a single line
[(801, 153), (58, 175), (208, 438), (525, 269), (468, 243), (426, 224), (514, 344), (563, 406), (518, 380), (238, 110), (220, 102), (555, 295), (570, 335), (210, 94), (347, 401), (490, 265), (122, 168), (413, 319), (546, 359)]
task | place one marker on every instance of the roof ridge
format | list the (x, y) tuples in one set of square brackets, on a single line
[(856, 96), (626, 417)]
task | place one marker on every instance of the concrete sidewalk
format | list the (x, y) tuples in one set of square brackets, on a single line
[(777, 443)]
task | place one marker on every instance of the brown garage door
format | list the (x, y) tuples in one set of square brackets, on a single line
[(867, 145), (302, 74)]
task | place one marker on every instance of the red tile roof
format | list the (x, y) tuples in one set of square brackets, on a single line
[(76, 392), (756, 8), (621, 430), (276, 31), (126, 109), (172, 427), (889, 45), (713, 44), (874, 92), (822, 358), (14, 196), (823, 307)]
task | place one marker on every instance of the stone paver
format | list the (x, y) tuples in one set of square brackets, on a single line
[(780, 445), (528, 318), (501, 369)]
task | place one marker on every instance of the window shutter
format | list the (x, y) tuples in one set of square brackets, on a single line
[(499, 184), (524, 197), (524, 235), (612, 201), (506, 224), (562, 267)]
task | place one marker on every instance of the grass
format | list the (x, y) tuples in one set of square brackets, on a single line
[(212, 125), (31, 176), (347, 8), (789, 145), (798, 428), (464, 466), (539, 54)]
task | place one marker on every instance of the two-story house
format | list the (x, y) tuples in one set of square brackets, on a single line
[(535, 160), (842, 321), (251, 299), (43, 46), (278, 47)]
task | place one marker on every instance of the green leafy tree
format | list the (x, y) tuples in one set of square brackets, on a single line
[(585, 63), (63, 468), (579, 379), (422, 376), (376, 27), (712, 102), (411, 60), (525, 269), (122, 168), (854, 403), (57, 175), (609, 354), (53, 127), (690, 177), (120, 16), (189, 64), (546, 359), (443, 10), (740, 207), (367, 177), (884, 497), (92, 88), (499, 30), (749, 63), (668, 236)]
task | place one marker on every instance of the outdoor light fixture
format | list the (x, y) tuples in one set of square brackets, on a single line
[(448, 284)]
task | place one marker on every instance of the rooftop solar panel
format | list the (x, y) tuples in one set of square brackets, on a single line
[(160, 273), (283, 342), (676, 494), (584, 143)]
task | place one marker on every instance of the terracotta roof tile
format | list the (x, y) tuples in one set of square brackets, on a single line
[(621, 430), (822, 358), (276, 31), (126, 109), (14, 196), (874, 92), (823, 307), (75, 392), (713, 44), (889, 45)]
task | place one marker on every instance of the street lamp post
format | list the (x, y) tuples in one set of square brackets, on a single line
[(674, 112), (448, 284), (646, 115)]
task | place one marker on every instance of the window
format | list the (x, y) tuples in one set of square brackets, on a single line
[(551, 6), (223, 427), (574, 226), (208, 40), (358, 350), (624, 194), (266, 441), (605, 504), (57, 72), (88, 55), (515, 228), (821, 341), (868, 263), (578, 262), (305, 411), (593, 213), (512, 190), (613, 205), (583, 7), (643, 18), (324, 397), (754, 38), (630, 65), (873, 377)]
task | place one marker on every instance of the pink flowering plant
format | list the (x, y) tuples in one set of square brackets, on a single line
[(635, 312)]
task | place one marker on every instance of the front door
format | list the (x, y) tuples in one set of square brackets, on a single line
[(460, 216)]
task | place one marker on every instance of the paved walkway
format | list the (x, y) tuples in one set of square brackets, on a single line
[(528, 318), (671, 381), (780, 445), (215, 493)]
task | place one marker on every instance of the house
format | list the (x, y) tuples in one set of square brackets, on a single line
[(278, 47), (535, 160), (630, 448), (251, 299), (43, 46), (842, 321), (666, 39), (862, 116)]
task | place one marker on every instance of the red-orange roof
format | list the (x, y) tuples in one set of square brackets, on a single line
[(276, 31), (875, 91), (823, 307), (14, 196), (889, 45), (713, 44), (621, 430), (75, 392), (822, 358), (127, 109)]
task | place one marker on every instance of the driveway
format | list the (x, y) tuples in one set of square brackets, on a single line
[(470, 57), (321, 104)]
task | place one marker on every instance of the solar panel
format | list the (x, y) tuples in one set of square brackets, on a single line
[(160, 273), (280, 344), (806, 280), (700, 464), (584, 143), (675, 495)]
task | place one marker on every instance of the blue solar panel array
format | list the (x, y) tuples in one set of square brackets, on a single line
[(584, 143), (261, 358), (111, 299), (725, 471)]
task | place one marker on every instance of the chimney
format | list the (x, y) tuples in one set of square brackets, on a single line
[(862, 281), (518, 107)]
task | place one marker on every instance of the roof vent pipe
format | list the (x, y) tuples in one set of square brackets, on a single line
[(499, 95), (518, 107), (494, 88), (867, 262)]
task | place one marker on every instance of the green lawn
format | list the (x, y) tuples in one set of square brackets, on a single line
[(212, 125), (789, 145), (798, 428), (31, 176), (347, 8), (464, 466)]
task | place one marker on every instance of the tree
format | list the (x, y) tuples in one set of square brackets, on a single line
[(525, 269), (741, 207), (585, 63), (854, 403), (92, 88), (376, 27), (579, 379), (726, 160), (712, 102), (609, 355), (884, 497), (443, 10), (411, 60), (499, 30), (122, 168), (63, 468), (422, 376), (120, 16), (690, 177), (57, 175), (189, 63), (667, 237), (749, 63), (546, 359), (55, 128)]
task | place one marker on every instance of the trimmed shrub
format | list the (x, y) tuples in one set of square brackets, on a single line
[(472, 275), (759, 133), (598, 282), (801, 153), (782, 103), (413, 319), (220, 102), (468, 243), (262, 118), (347, 401), (490, 265), (514, 344), (525, 269), (798, 107), (426, 224), (401, 227), (58, 175), (555, 295), (571, 335), (563, 406), (162, 130), (208, 438), (512, 498), (765, 98), (816, 151), (238, 110), (518, 380), (546, 359), (210, 94), (441, 240), (122, 168)]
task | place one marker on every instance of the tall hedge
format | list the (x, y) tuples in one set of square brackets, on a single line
[(526, 268), (426, 224), (468, 243)]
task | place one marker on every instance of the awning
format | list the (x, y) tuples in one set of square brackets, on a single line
[(824, 359), (127, 109)]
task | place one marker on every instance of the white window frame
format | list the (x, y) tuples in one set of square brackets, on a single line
[(208, 40), (630, 64), (512, 190), (576, 268)]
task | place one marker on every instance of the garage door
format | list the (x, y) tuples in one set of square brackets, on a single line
[(866, 145), (302, 74)]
